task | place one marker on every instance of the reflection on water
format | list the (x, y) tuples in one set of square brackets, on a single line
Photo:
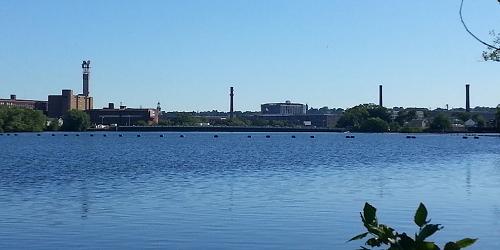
[(84, 200), (240, 192)]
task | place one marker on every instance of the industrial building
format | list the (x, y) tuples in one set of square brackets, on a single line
[(123, 116), (27, 104), (58, 105), (283, 109)]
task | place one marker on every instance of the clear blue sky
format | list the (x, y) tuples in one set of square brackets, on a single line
[(186, 54)]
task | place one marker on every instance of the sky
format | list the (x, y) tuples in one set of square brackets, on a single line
[(186, 54)]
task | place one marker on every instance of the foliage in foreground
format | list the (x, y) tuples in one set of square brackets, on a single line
[(384, 235)]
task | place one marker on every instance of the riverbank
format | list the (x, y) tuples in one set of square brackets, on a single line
[(216, 129), (490, 132)]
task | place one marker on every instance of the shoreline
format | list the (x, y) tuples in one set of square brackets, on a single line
[(219, 129)]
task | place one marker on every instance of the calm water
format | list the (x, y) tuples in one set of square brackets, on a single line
[(234, 192)]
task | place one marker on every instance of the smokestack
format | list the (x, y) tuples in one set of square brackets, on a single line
[(467, 98), (380, 103), (231, 107), (86, 73)]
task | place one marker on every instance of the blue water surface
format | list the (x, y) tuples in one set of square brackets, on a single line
[(235, 192)]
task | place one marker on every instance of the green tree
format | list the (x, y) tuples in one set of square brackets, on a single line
[(405, 116), (394, 127), (185, 119), (53, 125), (237, 122), (165, 123), (75, 120), (440, 123), (492, 53), (141, 123), (463, 116), (354, 118), (479, 119), (374, 124), (14, 119), (259, 123)]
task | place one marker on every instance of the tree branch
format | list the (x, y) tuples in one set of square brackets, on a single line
[(470, 33)]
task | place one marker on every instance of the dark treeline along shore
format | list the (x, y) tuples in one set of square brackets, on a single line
[(361, 118)]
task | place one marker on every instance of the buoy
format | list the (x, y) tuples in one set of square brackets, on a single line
[(53, 135), (476, 137), (161, 135), (104, 135), (293, 136), (120, 135), (216, 136), (464, 137), (15, 134), (138, 135), (8, 134), (65, 135), (249, 136), (312, 136), (268, 136), (91, 134), (182, 136), (77, 135), (38, 135)]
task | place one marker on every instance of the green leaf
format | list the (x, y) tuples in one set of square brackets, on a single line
[(406, 242), (421, 215), (370, 214), (463, 243), (427, 231), (451, 246), (358, 237), (427, 246), (373, 242)]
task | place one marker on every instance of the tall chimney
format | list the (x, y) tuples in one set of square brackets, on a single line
[(86, 73), (231, 107), (467, 98), (380, 103)]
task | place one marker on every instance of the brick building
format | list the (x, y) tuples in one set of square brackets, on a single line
[(123, 116), (22, 103), (58, 105)]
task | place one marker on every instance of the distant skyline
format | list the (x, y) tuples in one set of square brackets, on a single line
[(186, 54)]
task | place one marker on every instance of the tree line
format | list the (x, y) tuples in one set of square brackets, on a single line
[(14, 119), (374, 118)]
